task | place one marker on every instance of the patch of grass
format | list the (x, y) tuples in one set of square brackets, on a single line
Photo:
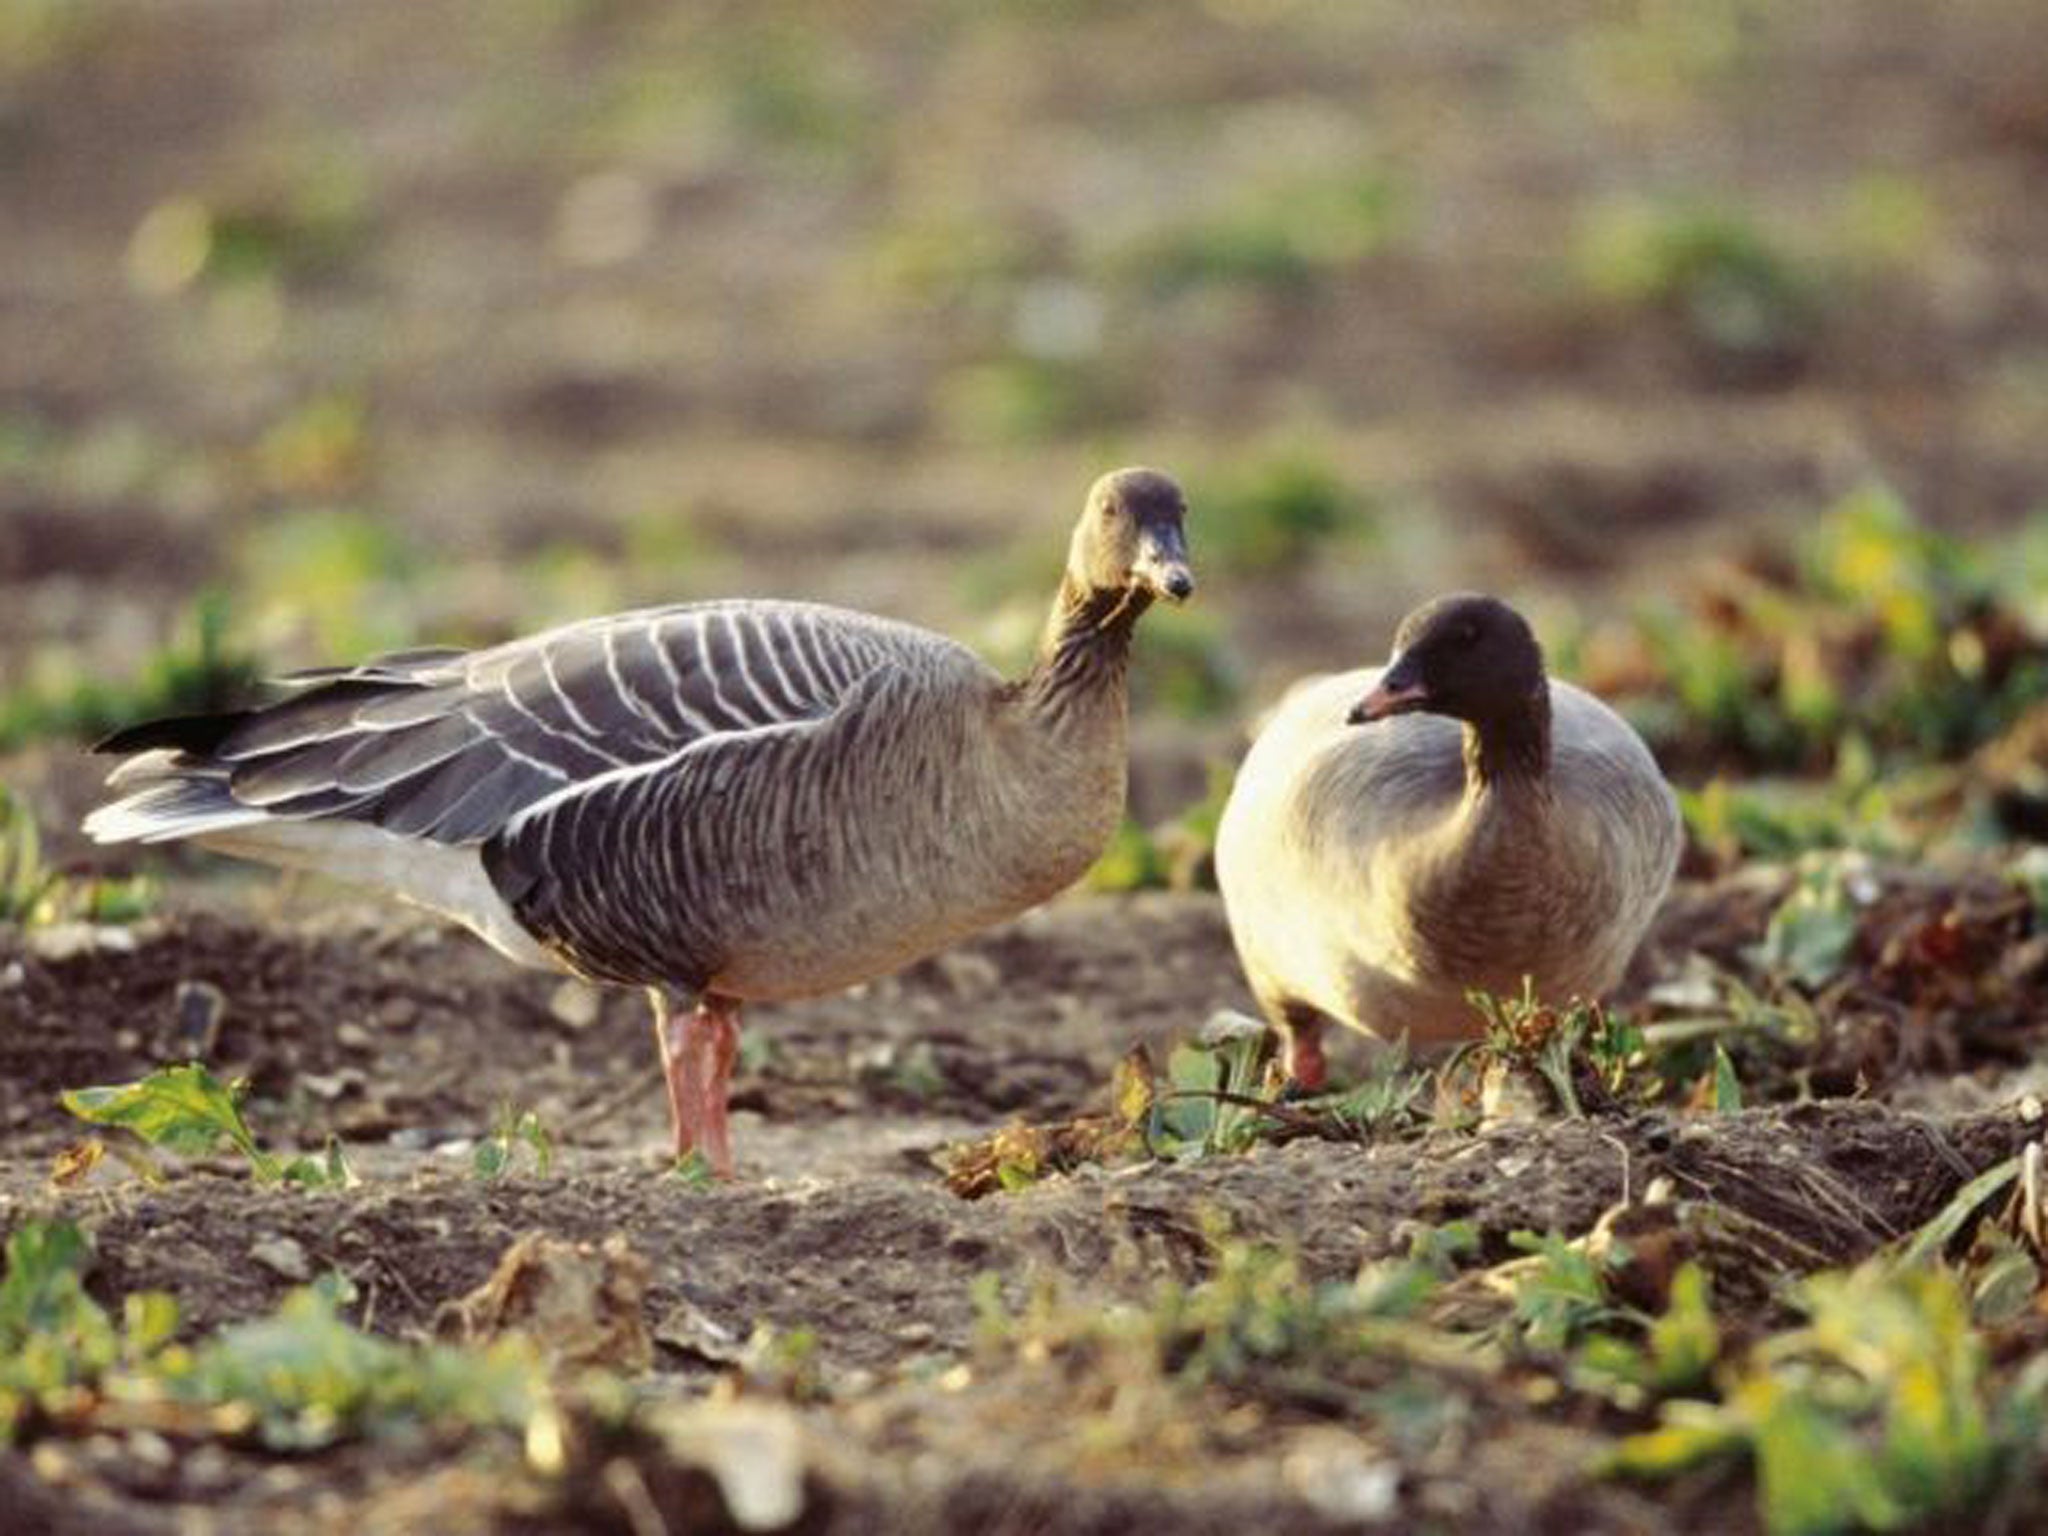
[(186, 1109)]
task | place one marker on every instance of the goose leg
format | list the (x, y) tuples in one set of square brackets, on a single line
[(1303, 1045), (697, 1051)]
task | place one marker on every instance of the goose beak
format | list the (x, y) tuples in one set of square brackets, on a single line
[(1162, 568), (1392, 695)]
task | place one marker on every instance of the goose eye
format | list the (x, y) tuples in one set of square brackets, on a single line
[(1466, 634)]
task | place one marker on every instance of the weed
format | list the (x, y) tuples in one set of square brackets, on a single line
[(1814, 928), (1579, 1043), (188, 1110), (306, 1377), (55, 1340), (511, 1130), (1387, 1102), (1877, 1413), (1877, 639), (1560, 1291)]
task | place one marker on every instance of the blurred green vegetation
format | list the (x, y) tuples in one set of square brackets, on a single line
[(206, 671), (1734, 294), (1284, 238), (1877, 640), (1273, 512)]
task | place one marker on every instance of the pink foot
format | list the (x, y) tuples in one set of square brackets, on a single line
[(697, 1052)]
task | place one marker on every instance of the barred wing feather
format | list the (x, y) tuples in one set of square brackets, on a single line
[(451, 746)]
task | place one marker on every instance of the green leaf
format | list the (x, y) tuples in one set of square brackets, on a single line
[(1727, 1086), (1931, 1239), (182, 1109), (693, 1170), (1814, 928)]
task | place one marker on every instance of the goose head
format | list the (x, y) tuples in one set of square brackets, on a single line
[(1470, 657), (1131, 541)]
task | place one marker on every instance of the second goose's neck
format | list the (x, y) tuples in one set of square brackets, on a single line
[(1083, 655), (1510, 754)]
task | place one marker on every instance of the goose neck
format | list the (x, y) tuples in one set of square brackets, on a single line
[(1085, 650), (1510, 754)]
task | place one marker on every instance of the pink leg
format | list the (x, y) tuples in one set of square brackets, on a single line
[(697, 1053), (1305, 1064)]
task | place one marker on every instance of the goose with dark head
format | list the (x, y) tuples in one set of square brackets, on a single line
[(1399, 836)]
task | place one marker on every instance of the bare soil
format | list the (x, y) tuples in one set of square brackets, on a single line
[(403, 1039)]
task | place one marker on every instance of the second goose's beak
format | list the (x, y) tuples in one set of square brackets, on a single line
[(1162, 568), (1396, 693)]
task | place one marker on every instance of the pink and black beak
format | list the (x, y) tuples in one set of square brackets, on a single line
[(1398, 692)]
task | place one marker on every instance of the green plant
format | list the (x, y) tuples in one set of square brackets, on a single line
[(305, 1377), (1560, 1290), (206, 674), (1276, 513), (1211, 1099), (186, 1109), (1560, 1043), (1814, 928), (1283, 239), (55, 1340), (511, 1130), (1878, 1413), (1733, 293)]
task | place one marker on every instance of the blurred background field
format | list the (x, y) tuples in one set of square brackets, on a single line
[(328, 327)]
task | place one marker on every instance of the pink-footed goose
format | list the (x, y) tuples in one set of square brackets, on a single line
[(1399, 835), (716, 802)]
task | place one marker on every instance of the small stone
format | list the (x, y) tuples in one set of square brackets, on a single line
[(575, 1004), (1226, 1026), (968, 974), (197, 1009), (398, 1013), (67, 941), (13, 976), (282, 1256), (1341, 1478), (352, 1036), (916, 1334), (332, 1085), (2030, 1110)]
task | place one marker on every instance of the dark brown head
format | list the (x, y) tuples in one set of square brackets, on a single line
[(1470, 657), (1131, 538)]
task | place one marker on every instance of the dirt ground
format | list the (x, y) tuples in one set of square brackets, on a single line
[(403, 1040)]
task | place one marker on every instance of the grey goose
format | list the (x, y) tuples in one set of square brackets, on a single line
[(1456, 819), (717, 802)]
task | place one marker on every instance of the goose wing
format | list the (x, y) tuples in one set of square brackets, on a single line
[(451, 746)]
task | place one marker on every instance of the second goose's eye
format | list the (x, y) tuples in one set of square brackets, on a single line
[(1465, 634)]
